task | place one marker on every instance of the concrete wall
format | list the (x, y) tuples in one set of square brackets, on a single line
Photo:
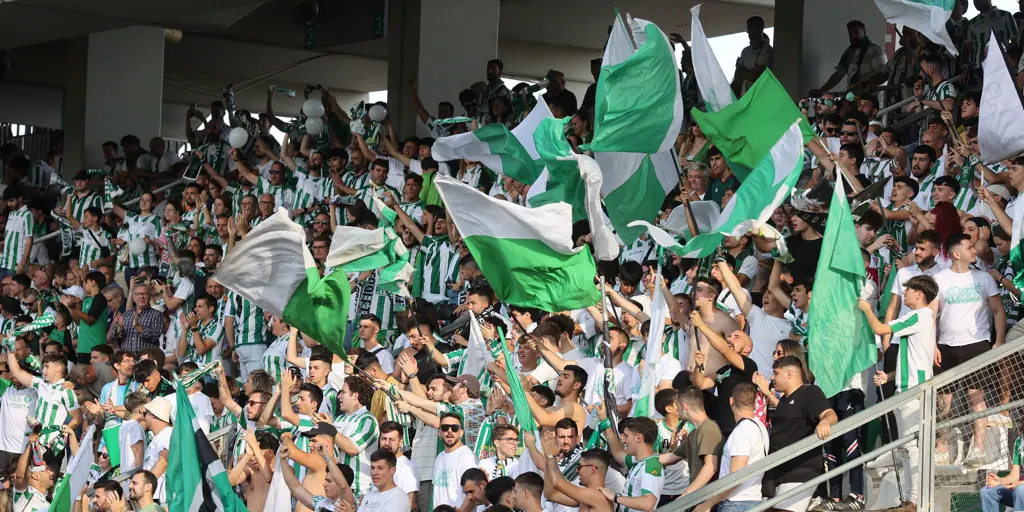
[(123, 87), (31, 104)]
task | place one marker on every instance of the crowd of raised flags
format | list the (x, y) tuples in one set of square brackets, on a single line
[(559, 307)]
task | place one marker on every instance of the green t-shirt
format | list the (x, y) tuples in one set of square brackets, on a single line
[(90, 336)]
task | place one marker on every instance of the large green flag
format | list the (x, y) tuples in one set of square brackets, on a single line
[(273, 268), (76, 476), (638, 114), (841, 343), (746, 129), (519, 403), (196, 479)]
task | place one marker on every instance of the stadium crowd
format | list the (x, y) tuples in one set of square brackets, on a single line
[(101, 320)]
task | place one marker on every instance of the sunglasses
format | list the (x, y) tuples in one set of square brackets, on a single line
[(778, 353), (449, 428), (852, 134), (831, 131)]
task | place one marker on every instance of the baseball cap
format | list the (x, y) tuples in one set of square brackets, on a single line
[(1000, 191), (321, 428), (469, 381)]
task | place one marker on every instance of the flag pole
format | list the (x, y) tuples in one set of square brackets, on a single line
[(609, 371)]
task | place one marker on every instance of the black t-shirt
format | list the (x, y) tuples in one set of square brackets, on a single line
[(806, 254), (794, 419), (727, 379)]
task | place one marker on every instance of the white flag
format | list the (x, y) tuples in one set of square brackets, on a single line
[(711, 80), (1000, 130), (278, 497)]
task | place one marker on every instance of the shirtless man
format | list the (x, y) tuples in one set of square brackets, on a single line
[(592, 470), (255, 468), (570, 385), (707, 291)]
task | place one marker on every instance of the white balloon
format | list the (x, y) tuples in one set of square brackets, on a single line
[(313, 108), (377, 113), (314, 126), (238, 137), (137, 246)]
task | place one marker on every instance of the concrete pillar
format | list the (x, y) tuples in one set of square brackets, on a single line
[(444, 64), (123, 88), (811, 36)]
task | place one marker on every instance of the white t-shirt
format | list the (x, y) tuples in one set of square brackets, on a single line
[(448, 470), (15, 408), (748, 267), (203, 409), (393, 500), (626, 378), (765, 331), (543, 374), (729, 301), (749, 438), (405, 475), (386, 360), (160, 442), (963, 306), (914, 364), (129, 434), (903, 275)]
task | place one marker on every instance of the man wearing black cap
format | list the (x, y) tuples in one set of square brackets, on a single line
[(83, 196), (31, 484), (18, 236)]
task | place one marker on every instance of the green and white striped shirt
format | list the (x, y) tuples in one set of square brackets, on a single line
[(310, 191), (19, 230), (79, 204), (249, 324), (91, 246), (361, 428), (353, 180), (54, 410), (943, 90), (226, 419), (218, 155), (274, 357), (142, 226), (284, 195), (366, 192), (414, 210), (440, 265), (213, 330)]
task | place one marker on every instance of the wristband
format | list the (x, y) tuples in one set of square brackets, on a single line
[(604, 425)]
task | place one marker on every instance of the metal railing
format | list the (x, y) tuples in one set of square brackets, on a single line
[(925, 394)]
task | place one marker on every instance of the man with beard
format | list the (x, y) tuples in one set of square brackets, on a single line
[(214, 152), (248, 418), (451, 463), (922, 167), (862, 64), (141, 489), (277, 186), (312, 186), (572, 381)]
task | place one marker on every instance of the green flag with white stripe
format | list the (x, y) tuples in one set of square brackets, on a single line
[(767, 186)]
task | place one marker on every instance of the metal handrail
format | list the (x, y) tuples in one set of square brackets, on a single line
[(853, 422)]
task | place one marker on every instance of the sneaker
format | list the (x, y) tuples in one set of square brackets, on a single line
[(850, 502), (906, 506), (816, 502), (975, 457)]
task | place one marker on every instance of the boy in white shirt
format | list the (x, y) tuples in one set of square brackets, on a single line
[(916, 332)]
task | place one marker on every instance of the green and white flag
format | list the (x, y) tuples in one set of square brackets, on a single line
[(925, 16), (747, 129), (661, 238), (273, 268), (44, 321), (638, 113), (526, 254), (76, 476), (196, 478), (711, 80), (560, 180), (381, 249), (765, 188), (841, 343), (509, 153)]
